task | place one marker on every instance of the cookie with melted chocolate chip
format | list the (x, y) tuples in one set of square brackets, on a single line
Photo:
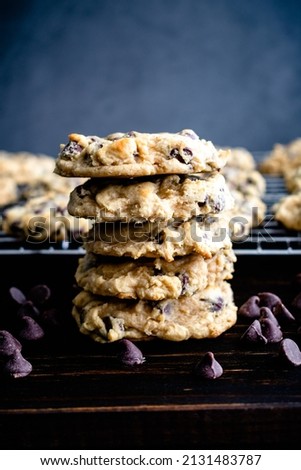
[(138, 154), (152, 279), (151, 198), (205, 314), (161, 239)]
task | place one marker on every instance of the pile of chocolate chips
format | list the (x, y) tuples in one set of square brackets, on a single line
[(265, 310), (269, 314), (32, 317)]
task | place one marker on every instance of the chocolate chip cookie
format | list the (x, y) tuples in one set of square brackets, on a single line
[(138, 154), (292, 178), (282, 157), (241, 158), (152, 279), (206, 314), (24, 167), (166, 197), (205, 235), (44, 218), (8, 191), (288, 211)]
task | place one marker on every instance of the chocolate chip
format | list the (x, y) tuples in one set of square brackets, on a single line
[(281, 312), (37, 211), (153, 304), (203, 203), (158, 238), (217, 304), (254, 333), (209, 367), (8, 344), (81, 192), (250, 308), (87, 159), (268, 299), (174, 153), (166, 307), (189, 133), (219, 205), (250, 180), (17, 295), (111, 323), (130, 354), (175, 223), (184, 278), (188, 152), (130, 134), (107, 323), (208, 220), (60, 210), (30, 330), (16, 366), (184, 158), (271, 331), (72, 148), (94, 138), (290, 352), (28, 310), (157, 272), (265, 312), (39, 294)]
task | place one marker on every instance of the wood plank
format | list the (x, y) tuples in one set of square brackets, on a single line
[(79, 395)]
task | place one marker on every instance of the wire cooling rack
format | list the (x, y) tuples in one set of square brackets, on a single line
[(270, 238)]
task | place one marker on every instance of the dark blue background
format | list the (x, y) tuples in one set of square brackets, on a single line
[(229, 69)]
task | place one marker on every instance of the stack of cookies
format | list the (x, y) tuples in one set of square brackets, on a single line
[(159, 253)]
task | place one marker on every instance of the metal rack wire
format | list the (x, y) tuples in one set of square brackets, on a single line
[(270, 238), (12, 246)]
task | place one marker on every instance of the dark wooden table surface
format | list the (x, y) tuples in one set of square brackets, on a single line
[(80, 397)]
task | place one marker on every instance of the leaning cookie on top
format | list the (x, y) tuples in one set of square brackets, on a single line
[(159, 254)]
